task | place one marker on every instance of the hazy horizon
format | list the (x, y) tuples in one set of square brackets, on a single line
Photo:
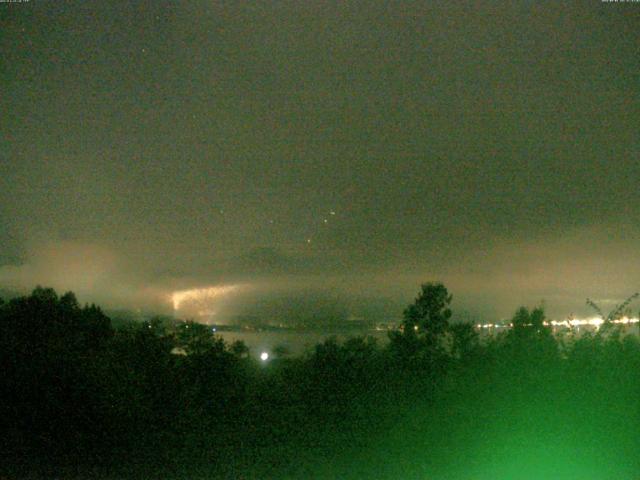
[(343, 151)]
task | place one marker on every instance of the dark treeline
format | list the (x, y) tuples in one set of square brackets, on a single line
[(80, 399)]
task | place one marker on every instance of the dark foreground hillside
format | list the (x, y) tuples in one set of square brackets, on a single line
[(79, 399)]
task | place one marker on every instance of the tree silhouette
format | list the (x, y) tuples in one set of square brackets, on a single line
[(464, 339), (239, 349), (424, 326), (428, 316), (529, 323), (196, 338), (615, 314)]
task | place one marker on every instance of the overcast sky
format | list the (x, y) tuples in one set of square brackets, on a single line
[(356, 148)]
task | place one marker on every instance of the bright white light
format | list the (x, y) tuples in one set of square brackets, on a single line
[(264, 356), (200, 295), (596, 322)]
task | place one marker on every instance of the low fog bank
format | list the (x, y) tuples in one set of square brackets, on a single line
[(486, 287)]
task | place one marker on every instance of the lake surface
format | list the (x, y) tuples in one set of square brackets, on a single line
[(296, 342)]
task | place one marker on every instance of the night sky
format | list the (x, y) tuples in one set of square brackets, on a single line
[(347, 150)]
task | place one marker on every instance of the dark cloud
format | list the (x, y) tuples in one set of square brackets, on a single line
[(214, 143)]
